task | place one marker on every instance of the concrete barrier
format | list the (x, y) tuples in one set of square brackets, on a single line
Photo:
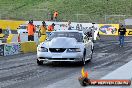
[(12, 38), (1, 49), (11, 23), (7, 49), (1, 35), (124, 72), (28, 47)]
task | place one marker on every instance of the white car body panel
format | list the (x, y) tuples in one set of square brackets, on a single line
[(64, 43)]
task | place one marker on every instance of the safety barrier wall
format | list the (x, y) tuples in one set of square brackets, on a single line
[(28, 47), (7, 49), (1, 49), (112, 29), (105, 29), (12, 38), (129, 32), (1, 35), (11, 24), (108, 29), (1, 38)]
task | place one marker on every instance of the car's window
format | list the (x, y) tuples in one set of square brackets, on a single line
[(22, 27), (76, 35)]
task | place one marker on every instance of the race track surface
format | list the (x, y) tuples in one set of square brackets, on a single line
[(22, 71)]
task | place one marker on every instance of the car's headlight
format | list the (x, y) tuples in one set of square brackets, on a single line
[(73, 50), (42, 49)]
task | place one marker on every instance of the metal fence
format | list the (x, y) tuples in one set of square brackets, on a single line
[(108, 19), (42, 14)]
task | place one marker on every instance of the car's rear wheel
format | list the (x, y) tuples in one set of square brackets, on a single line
[(39, 62)]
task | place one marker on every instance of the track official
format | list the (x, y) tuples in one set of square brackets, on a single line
[(31, 30), (51, 27), (43, 28)]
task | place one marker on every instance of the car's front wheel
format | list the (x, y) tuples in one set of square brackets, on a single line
[(39, 62)]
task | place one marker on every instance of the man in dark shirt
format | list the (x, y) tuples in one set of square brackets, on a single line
[(121, 33), (0, 30)]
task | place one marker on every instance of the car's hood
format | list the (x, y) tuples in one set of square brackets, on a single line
[(61, 42)]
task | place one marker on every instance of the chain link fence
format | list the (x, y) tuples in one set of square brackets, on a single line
[(105, 19), (117, 18), (43, 14)]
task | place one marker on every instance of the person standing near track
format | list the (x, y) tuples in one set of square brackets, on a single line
[(43, 29), (51, 27), (56, 15), (69, 25), (121, 33), (31, 30), (0, 30)]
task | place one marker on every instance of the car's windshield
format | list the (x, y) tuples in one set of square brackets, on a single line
[(22, 27), (76, 35)]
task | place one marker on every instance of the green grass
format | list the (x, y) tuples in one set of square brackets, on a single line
[(88, 10)]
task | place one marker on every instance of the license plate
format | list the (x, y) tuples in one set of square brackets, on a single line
[(56, 55)]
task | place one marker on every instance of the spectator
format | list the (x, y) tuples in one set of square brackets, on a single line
[(93, 31), (51, 27), (43, 28), (0, 30), (7, 32), (50, 16), (31, 30), (56, 15), (121, 33), (69, 25)]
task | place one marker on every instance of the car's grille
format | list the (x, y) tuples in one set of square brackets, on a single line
[(61, 58), (57, 49)]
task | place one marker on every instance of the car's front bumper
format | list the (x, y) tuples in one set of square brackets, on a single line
[(52, 57)]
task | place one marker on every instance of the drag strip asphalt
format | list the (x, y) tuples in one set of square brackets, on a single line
[(22, 71)]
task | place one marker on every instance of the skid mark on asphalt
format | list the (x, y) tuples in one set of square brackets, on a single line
[(7, 61), (121, 56), (41, 78), (18, 70), (26, 73), (38, 72)]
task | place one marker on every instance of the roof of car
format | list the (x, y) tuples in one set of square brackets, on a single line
[(68, 31), (23, 25)]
